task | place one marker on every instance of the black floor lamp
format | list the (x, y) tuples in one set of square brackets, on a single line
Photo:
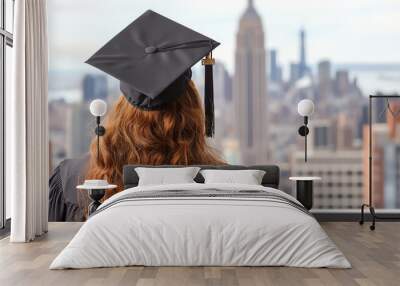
[(370, 204), (305, 108), (98, 108)]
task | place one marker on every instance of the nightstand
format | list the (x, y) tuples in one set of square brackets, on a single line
[(96, 190), (304, 190)]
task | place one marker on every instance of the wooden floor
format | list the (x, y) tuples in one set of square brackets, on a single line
[(375, 257)]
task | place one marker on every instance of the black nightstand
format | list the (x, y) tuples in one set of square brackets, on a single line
[(96, 190), (304, 190)]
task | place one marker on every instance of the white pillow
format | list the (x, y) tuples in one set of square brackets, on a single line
[(248, 177), (165, 176)]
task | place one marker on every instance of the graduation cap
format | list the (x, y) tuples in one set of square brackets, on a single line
[(152, 57)]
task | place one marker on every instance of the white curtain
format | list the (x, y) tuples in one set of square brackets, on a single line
[(26, 118)]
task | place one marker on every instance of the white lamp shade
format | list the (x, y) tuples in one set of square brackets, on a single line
[(305, 107), (98, 107)]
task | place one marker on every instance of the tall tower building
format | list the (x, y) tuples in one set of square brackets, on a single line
[(250, 92), (275, 71), (378, 107), (342, 82), (94, 86), (224, 110), (303, 62), (79, 129), (324, 83)]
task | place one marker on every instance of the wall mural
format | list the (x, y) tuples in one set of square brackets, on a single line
[(266, 64)]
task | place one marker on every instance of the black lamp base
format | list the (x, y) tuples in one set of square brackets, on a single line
[(96, 195)]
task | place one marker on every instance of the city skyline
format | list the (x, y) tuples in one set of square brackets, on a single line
[(256, 114), (360, 38)]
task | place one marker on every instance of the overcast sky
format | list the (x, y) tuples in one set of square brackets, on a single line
[(345, 31)]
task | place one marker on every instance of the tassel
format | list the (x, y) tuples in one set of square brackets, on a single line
[(209, 95)]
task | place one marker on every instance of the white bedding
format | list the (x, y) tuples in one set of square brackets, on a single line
[(200, 231)]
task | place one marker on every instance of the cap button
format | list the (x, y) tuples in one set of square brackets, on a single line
[(150, 50)]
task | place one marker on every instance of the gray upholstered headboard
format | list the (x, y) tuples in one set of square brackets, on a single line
[(271, 177)]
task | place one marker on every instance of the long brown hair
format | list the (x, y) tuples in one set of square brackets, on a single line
[(174, 135)]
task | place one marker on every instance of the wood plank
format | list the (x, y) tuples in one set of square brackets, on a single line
[(375, 257)]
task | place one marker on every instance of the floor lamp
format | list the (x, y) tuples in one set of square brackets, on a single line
[(370, 204), (305, 108)]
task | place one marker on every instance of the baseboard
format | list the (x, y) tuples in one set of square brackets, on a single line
[(354, 216)]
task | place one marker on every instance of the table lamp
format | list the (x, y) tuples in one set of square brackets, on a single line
[(305, 108)]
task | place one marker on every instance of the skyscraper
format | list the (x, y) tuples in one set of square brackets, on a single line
[(275, 71), (346, 129), (342, 82), (393, 121), (380, 133), (222, 84), (392, 175), (294, 72), (342, 173), (250, 90), (322, 135), (223, 104), (79, 129), (94, 86), (379, 106), (80, 122), (324, 82), (302, 63), (58, 111)]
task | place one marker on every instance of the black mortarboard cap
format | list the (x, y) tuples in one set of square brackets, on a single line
[(152, 58)]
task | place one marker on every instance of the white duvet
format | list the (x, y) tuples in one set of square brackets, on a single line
[(200, 231)]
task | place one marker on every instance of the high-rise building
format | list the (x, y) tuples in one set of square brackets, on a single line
[(250, 92), (332, 134), (392, 175), (345, 132), (58, 110), (94, 86), (80, 123), (379, 106), (275, 71), (341, 171), (393, 121), (80, 129), (342, 82), (294, 72), (363, 120), (222, 84), (324, 82), (303, 69), (223, 103), (380, 140), (322, 135), (385, 161)]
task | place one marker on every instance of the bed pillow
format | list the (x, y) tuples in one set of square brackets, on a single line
[(248, 177), (166, 176)]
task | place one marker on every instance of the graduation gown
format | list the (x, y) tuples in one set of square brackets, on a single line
[(63, 195)]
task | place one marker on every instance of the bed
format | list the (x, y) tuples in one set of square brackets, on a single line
[(198, 224)]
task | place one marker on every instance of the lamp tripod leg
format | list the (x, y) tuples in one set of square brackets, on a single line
[(362, 214), (373, 215), (372, 211)]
